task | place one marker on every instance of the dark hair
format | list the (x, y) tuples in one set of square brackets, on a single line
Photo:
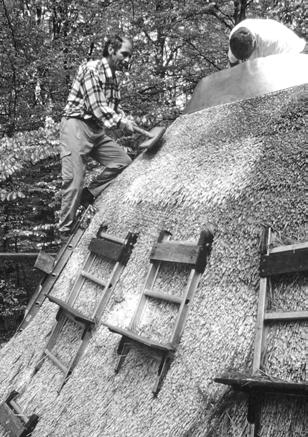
[(242, 43), (115, 42)]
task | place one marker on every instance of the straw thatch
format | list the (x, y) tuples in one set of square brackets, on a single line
[(238, 167)]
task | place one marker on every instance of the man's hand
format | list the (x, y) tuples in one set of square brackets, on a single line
[(127, 125)]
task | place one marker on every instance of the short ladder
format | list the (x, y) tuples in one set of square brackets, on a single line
[(274, 261), (165, 251), (13, 420), (105, 246)]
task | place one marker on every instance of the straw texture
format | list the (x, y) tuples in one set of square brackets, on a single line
[(237, 167)]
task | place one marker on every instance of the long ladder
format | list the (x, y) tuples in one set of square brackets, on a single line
[(278, 260), (165, 251), (52, 268), (112, 249)]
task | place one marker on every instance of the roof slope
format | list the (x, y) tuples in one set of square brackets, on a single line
[(237, 166)]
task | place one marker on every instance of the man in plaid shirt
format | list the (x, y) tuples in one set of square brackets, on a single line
[(93, 105)]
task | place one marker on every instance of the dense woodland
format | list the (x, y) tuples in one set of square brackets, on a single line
[(176, 43)]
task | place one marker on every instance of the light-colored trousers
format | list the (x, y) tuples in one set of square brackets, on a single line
[(79, 139)]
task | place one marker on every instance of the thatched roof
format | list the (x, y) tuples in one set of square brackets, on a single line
[(237, 166)]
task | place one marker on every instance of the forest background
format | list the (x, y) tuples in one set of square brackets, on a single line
[(176, 43)]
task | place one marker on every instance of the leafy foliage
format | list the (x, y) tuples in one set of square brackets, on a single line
[(42, 42), (175, 44), (12, 299)]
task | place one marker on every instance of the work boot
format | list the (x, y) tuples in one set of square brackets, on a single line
[(86, 198)]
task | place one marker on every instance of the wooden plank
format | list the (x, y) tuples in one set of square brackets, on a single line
[(176, 252), (191, 286), (257, 384), (163, 296), (12, 424), (129, 335), (76, 314), (44, 262), (290, 315), (106, 248), (286, 261), (259, 340)]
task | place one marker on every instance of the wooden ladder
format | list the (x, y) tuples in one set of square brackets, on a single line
[(105, 246), (52, 268), (165, 251), (274, 261), (13, 420)]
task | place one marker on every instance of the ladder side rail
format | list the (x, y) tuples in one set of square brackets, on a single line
[(259, 336), (262, 304), (109, 287), (86, 336), (149, 283), (192, 284)]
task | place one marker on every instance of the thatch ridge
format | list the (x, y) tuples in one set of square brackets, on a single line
[(238, 167)]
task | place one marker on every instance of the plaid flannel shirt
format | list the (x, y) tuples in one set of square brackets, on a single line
[(95, 94)]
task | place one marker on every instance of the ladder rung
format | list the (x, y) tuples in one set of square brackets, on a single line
[(130, 335), (19, 411), (163, 296), (292, 315), (290, 247), (93, 278), (56, 361), (72, 313)]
